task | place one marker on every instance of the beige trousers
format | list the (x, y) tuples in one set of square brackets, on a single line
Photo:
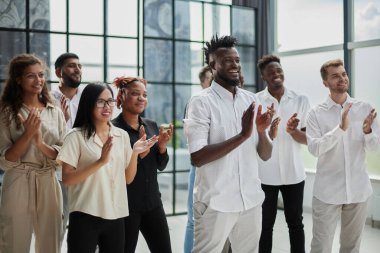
[(325, 218), (31, 202)]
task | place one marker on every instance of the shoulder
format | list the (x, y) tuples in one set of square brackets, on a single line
[(75, 132), (75, 135), (248, 95), (118, 120), (149, 122), (201, 97), (297, 95), (119, 132)]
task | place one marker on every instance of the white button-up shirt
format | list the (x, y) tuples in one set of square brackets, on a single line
[(285, 165), (341, 176), (73, 104), (231, 183)]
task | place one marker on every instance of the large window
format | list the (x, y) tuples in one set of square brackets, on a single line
[(312, 32), (161, 40)]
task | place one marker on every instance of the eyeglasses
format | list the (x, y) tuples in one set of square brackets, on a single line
[(101, 103)]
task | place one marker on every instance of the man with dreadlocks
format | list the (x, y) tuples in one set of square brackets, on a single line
[(225, 145)]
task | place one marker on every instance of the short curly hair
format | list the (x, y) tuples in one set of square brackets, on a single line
[(216, 43), (265, 60)]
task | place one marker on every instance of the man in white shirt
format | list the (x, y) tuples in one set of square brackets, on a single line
[(284, 171), (69, 72), (225, 145), (339, 132)]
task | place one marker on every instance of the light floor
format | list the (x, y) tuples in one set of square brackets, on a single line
[(370, 241)]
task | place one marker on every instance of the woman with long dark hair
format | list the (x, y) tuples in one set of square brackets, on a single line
[(97, 163), (146, 211), (32, 131)]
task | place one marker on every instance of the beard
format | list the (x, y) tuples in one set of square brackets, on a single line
[(229, 81), (70, 81)]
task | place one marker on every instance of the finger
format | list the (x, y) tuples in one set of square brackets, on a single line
[(259, 110), (294, 115), (141, 131), (143, 138), (171, 129), (22, 119)]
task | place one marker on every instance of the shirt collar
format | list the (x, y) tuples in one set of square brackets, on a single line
[(222, 92), (330, 103), (114, 131), (125, 125), (287, 94), (49, 105)]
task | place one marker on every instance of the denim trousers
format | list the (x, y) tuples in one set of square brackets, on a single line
[(189, 233)]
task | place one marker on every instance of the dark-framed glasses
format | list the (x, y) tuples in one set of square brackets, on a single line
[(101, 103)]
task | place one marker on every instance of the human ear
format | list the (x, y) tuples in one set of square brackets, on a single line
[(58, 72)]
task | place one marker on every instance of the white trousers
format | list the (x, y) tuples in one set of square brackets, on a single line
[(325, 219), (212, 228)]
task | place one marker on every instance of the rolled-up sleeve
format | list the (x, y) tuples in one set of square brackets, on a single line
[(5, 143), (317, 142), (62, 129), (372, 140), (197, 124), (70, 151)]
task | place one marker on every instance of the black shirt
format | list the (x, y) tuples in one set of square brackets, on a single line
[(143, 192)]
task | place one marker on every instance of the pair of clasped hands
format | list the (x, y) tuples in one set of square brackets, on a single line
[(143, 145), (32, 125), (263, 120), (367, 123)]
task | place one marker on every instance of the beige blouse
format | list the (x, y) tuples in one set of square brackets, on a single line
[(104, 193), (53, 129)]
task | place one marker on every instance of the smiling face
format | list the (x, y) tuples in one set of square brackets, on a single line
[(337, 80), (226, 63), (32, 80), (134, 98), (273, 75), (104, 113), (70, 73)]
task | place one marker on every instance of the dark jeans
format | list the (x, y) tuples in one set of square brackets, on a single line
[(292, 196), (87, 231), (153, 226)]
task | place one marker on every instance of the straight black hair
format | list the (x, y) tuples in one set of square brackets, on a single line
[(87, 103)]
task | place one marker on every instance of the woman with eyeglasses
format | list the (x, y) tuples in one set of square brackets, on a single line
[(146, 212), (97, 163), (32, 132)]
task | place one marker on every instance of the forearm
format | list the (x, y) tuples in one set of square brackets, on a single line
[(130, 171), (72, 177), (264, 147), (322, 144), (47, 150), (18, 149), (214, 152), (299, 136)]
